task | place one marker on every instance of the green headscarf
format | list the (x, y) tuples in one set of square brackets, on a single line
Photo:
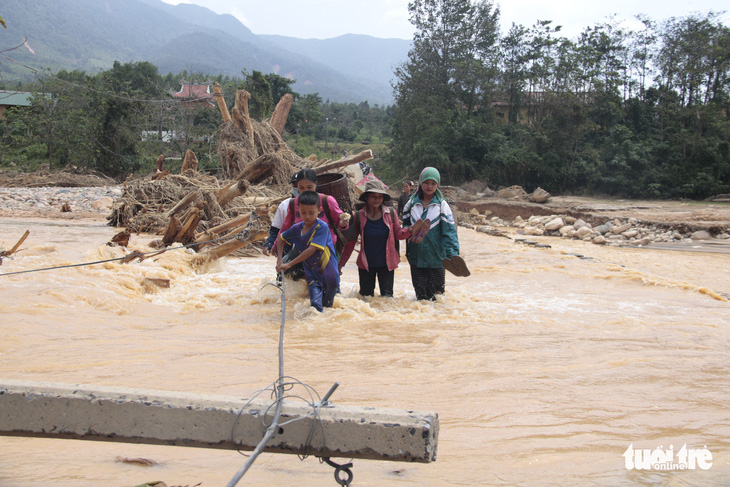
[(431, 173)]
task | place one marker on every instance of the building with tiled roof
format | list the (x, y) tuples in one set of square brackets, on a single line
[(195, 93)]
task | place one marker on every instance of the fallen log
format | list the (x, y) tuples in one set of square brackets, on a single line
[(211, 233), (345, 161), (218, 92), (131, 256), (187, 230), (230, 247), (6, 253), (233, 190), (171, 230), (182, 204), (263, 200), (281, 113), (259, 169)]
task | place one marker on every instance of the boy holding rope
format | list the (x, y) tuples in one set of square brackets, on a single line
[(312, 238)]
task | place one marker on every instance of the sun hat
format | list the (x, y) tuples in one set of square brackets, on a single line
[(374, 187)]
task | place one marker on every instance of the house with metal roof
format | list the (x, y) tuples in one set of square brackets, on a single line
[(10, 99)]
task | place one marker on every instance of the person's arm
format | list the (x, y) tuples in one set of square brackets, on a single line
[(276, 226), (280, 214), (407, 214), (336, 213), (279, 257), (402, 200), (448, 230), (308, 252), (271, 240), (354, 229), (398, 232), (288, 220)]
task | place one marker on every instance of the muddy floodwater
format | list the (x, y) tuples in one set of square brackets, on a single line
[(544, 366)]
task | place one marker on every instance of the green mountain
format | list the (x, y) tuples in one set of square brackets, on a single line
[(90, 35)]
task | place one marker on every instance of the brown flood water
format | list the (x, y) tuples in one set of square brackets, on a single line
[(543, 367)]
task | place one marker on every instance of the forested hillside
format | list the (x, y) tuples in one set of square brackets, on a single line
[(633, 113), (89, 35), (640, 113)]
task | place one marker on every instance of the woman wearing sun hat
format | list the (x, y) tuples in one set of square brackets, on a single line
[(435, 243), (378, 227)]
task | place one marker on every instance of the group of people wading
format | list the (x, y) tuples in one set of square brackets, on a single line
[(310, 229)]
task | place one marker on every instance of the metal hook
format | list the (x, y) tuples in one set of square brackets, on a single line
[(340, 469)]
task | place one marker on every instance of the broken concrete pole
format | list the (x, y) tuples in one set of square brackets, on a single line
[(46, 410)]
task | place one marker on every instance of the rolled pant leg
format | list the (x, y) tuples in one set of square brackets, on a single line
[(316, 295)]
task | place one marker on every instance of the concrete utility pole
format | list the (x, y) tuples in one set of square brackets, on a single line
[(82, 412)]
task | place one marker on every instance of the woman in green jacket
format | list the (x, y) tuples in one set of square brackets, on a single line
[(427, 211)]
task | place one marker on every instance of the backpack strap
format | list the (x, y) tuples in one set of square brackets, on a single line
[(335, 226), (326, 209)]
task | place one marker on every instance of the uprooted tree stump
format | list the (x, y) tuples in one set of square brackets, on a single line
[(197, 209)]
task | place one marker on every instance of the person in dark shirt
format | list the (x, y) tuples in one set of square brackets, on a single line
[(379, 229), (409, 187), (312, 238), (403, 199)]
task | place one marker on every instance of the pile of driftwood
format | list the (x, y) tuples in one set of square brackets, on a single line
[(206, 211)]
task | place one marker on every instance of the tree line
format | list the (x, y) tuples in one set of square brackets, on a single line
[(638, 113), (119, 120)]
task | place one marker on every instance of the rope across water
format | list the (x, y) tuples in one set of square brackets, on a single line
[(243, 235)]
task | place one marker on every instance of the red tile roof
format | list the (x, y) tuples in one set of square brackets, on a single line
[(194, 92)]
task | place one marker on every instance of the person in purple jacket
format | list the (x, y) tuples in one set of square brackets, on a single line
[(378, 227), (312, 238)]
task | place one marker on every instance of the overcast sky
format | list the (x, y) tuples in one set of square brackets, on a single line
[(323, 19)]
